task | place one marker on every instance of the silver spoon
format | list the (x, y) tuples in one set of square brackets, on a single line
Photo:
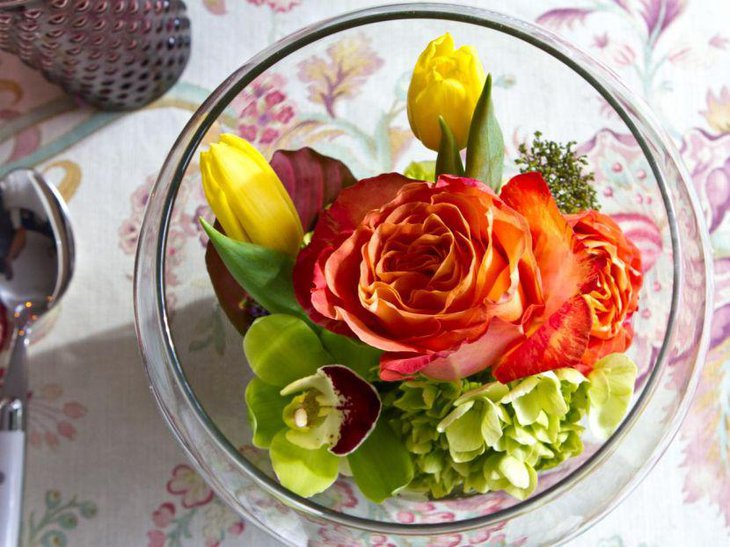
[(36, 264)]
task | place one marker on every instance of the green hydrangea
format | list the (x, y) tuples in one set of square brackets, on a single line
[(469, 437), (421, 170), (416, 408)]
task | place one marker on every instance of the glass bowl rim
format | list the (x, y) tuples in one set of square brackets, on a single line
[(191, 137)]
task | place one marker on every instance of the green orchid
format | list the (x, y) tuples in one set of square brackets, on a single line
[(310, 412)]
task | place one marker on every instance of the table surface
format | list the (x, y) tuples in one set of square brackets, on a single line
[(104, 469)]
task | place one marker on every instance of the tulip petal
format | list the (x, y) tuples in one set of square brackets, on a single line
[(565, 267), (445, 82), (241, 187), (218, 202), (560, 342)]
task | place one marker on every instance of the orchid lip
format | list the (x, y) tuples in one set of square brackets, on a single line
[(349, 405)]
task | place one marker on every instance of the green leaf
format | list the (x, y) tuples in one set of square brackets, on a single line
[(282, 348), (421, 170), (448, 161), (304, 472), (609, 393), (265, 274), (265, 408), (382, 465), (485, 147), (360, 357)]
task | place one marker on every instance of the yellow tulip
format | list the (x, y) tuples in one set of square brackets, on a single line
[(445, 82), (247, 197)]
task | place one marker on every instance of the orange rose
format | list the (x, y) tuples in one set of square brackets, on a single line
[(418, 269), (449, 279), (616, 296), (557, 335)]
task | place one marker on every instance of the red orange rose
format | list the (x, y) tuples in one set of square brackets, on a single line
[(449, 279), (416, 269), (615, 297)]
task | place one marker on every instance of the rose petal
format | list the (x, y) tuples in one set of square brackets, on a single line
[(401, 366), (564, 265), (598, 348), (560, 342), (335, 225), (475, 356)]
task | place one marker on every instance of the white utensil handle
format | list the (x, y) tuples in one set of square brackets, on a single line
[(12, 460)]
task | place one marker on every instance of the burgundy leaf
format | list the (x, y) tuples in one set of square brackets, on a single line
[(557, 18), (312, 180), (359, 405)]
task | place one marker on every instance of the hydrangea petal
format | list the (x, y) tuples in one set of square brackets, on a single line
[(609, 393)]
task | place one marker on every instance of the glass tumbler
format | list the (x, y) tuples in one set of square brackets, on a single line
[(113, 54)]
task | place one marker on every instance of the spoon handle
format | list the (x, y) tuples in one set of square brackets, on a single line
[(12, 459), (12, 440)]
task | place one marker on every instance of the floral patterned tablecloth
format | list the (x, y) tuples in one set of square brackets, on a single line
[(104, 470)]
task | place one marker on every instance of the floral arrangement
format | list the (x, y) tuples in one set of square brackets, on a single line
[(437, 331)]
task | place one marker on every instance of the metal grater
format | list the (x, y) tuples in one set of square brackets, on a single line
[(114, 54)]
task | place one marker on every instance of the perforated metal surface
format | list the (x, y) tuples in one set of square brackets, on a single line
[(115, 54)]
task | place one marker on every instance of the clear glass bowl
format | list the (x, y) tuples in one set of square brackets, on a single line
[(339, 87)]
